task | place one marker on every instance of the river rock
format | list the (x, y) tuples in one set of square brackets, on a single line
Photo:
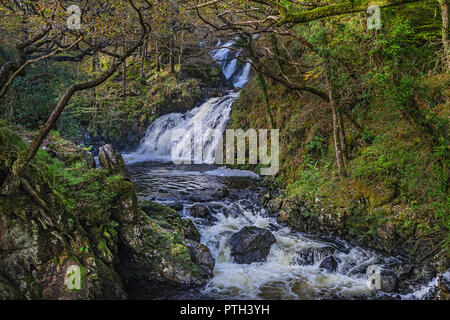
[(310, 256), (112, 161), (199, 211), (251, 244), (329, 263), (201, 255), (176, 206), (221, 193), (89, 158)]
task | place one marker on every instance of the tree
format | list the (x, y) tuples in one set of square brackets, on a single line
[(256, 21), (96, 35)]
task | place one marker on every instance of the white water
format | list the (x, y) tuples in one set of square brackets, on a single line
[(177, 136), (226, 57), (282, 276)]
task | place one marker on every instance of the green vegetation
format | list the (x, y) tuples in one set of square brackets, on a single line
[(363, 117), (395, 189)]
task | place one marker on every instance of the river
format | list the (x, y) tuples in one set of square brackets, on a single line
[(292, 269)]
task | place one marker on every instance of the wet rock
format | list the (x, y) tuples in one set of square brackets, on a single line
[(443, 288), (176, 206), (305, 257), (381, 278), (156, 252), (233, 210), (274, 205), (199, 211), (221, 193), (251, 244), (310, 256), (190, 231), (201, 255), (265, 199), (246, 204), (329, 263), (112, 161)]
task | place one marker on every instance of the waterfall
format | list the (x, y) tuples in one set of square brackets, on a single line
[(162, 143), (226, 57), (177, 135)]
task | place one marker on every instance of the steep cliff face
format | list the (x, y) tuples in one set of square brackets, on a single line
[(91, 220)]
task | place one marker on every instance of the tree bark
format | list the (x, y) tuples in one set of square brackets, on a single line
[(143, 59), (124, 76), (331, 10), (172, 54), (158, 64), (342, 134), (23, 64), (336, 130), (7, 68)]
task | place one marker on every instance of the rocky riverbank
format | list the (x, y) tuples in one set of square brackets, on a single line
[(90, 219)]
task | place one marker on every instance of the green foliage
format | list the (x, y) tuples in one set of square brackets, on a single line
[(31, 98), (397, 161), (80, 189)]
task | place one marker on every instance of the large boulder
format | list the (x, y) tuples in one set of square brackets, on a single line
[(112, 161), (201, 255), (310, 256), (329, 263), (251, 244), (160, 250), (68, 152), (200, 211)]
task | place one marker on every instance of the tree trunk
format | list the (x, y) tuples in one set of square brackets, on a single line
[(95, 69), (445, 24), (143, 59), (336, 130), (172, 54), (24, 159), (180, 56), (158, 64), (263, 86), (124, 75), (6, 70), (342, 134), (94, 105)]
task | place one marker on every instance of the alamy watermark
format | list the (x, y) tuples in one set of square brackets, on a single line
[(73, 278), (74, 20), (374, 20), (196, 146)]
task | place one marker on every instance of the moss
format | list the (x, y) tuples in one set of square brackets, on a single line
[(104, 250), (166, 236)]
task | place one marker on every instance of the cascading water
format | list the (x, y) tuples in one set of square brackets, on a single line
[(227, 58), (174, 135), (292, 269)]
